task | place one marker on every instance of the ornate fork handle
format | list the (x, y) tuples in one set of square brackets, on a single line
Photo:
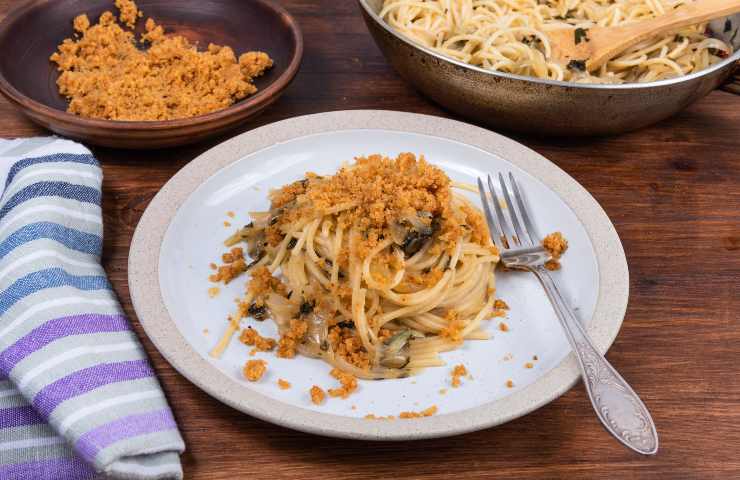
[(616, 404)]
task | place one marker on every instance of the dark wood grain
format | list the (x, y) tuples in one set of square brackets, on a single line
[(673, 192)]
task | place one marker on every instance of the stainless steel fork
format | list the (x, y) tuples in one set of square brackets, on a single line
[(616, 404)]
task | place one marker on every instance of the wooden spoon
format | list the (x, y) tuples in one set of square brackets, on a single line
[(593, 47)]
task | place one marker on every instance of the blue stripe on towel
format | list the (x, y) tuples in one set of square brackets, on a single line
[(69, 237), (58, 157), (66, 190), (49, 278)]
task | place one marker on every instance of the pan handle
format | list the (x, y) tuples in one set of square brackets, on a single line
[(732, 84)]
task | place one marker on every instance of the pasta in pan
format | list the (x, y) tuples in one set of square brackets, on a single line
[(375, 270), (511, 36)]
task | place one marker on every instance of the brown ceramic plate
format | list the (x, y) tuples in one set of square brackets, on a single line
[(31, 33)]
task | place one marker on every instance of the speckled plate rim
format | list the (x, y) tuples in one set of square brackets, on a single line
[(143, 268)]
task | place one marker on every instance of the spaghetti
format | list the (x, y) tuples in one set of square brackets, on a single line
[(511, 36), (375, 270)]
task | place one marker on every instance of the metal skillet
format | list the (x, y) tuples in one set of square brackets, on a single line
[(545, 107)]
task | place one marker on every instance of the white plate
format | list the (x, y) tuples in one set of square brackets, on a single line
[(182, 232)]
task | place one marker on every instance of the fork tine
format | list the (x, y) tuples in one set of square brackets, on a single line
[(521, 235), (526, 217), (493, 228), (506, 231)]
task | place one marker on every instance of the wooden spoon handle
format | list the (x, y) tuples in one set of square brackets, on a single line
[(621, 38)]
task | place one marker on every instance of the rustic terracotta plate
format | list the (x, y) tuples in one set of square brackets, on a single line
[(31, 33), (182, 231)]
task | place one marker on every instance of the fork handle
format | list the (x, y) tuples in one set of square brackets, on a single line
[(616, 404)]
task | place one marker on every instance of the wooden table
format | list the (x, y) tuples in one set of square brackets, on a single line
[(673, 192)]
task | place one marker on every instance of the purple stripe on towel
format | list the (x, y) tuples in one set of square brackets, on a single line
[(86, 380), (18, 416), (56, 329), (68, 468), (90, 443)]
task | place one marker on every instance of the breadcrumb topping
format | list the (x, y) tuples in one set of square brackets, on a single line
[(458, 372), (234, 265), (250, 336), (348, 382), (105, 75), (317, 395), (424, 413), (454, 328), (254, 370), (290, 339), (556, 244)]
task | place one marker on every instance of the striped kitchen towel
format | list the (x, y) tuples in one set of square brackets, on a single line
[(78, 398)]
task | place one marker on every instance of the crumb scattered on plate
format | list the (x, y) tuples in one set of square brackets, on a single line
[(254, 370), (250, 336), (503, 327), (500, 305), (230, 214), (317, 395), (213, 292), (370, 416), (556, 244), (227, 224), (442, 391), (283, 384), (348, 382), (529, 365), (458, 372), (510, 384), (424, 413)]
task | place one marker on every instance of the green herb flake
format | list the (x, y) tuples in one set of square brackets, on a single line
[(579, 65), (581, 35)]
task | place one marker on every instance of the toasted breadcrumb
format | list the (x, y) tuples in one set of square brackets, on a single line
[(348, 382), (317, 395), (283, 384), (254, 370), (535, 358), (424, 413), (509, 384), (227, 224), (263, 282), (81, 23), (503, 327), (290, 339), (105, 74), (231, 214), (250, 336), (529, 365), (370, 416), (454, 328), (213, 292), (556, 244), (129, 12), (442, 391), (234, 265), (500, 305), (458, 372)]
